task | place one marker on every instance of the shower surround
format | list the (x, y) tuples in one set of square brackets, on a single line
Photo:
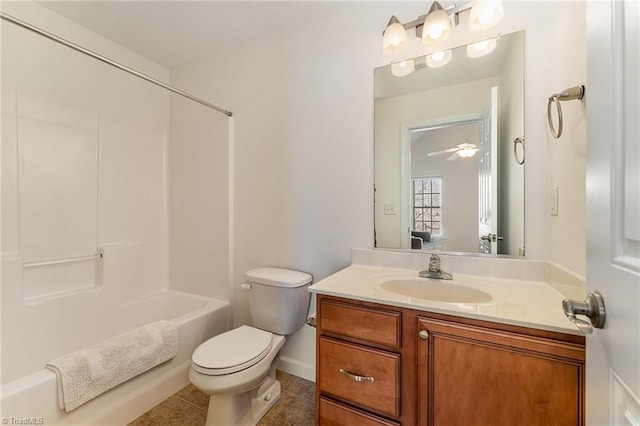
[(114, 215)]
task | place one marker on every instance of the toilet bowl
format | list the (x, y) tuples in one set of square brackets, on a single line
[(237, 368), (242, 382)]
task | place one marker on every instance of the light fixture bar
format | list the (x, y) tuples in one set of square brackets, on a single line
[(457, 10), (419, 21), (484, 14)]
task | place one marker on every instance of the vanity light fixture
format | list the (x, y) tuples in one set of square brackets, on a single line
[(438, 59), (481, 48), (400, 69), (436, 26)]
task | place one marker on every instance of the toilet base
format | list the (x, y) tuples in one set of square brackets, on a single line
[(244, 409)]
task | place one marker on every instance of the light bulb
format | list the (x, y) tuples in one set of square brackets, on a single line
[(437, 56), (467, 150), (437, 25), (394, 39), (435, 32), (485, 14), (400, 69), (466, 153), (438, 59), (485, 17), (481, 48)]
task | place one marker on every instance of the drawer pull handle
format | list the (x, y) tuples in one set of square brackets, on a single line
[(355, 377)]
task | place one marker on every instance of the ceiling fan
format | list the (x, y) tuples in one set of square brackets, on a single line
[(463, 150)]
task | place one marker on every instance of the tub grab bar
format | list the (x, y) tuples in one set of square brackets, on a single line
[(570, 94), (59, 261)]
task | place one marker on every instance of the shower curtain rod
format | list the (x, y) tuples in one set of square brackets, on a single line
[(108, 61)]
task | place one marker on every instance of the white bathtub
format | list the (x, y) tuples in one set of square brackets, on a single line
[(33, 396)]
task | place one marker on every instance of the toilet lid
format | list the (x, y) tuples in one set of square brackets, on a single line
[(232, 351)]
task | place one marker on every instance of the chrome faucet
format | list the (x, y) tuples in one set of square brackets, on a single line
[(434, 270)]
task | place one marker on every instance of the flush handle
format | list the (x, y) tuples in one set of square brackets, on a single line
[(311, 320), (355, 377), (592, 308)]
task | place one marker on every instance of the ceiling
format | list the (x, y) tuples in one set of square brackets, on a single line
[(173, 32)]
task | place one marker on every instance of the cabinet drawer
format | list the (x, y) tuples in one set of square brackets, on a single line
[(371, 325), (336, 414), (339, 362)]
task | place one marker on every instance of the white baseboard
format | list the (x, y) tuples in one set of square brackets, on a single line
[(297, 368)]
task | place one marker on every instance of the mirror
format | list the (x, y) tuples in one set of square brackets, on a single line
[(448, 146)]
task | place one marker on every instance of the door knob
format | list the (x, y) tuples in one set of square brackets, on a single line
[(491, 237), (592, 308)]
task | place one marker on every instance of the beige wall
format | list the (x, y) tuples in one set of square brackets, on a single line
[(302, 162), (303, 157), (567, 155)]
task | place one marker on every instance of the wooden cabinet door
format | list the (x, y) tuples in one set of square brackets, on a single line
[(474, 376)]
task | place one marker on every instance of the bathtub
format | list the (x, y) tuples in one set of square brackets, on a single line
[(31, 399)]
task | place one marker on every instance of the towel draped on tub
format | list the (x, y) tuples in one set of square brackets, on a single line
[(89, 372)]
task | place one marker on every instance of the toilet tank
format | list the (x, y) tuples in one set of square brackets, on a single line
[(278, 298)]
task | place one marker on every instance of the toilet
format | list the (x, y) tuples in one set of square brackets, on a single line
[(237, 369)]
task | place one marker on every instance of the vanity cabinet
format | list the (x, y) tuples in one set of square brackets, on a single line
[(470, 375), (384, 365)]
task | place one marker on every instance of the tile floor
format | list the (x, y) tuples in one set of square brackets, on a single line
[(188, 407)]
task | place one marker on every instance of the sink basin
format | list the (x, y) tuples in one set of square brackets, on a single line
[(435, 290)]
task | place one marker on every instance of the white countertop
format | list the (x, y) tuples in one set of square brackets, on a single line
[(533, 304)]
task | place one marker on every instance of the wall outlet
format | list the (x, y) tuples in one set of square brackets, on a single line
[(554, 201), (390, 209)]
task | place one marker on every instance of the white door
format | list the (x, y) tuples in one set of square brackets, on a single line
[(488, 176), (613, 210)]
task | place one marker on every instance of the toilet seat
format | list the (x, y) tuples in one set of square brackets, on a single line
[(232, 351)]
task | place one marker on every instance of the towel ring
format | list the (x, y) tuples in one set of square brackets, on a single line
[(554, 99), (516, 141), (572, 93)]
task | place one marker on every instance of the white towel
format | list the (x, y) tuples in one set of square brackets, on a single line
[(89, 372)]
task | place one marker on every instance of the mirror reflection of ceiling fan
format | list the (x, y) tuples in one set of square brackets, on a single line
[(463, 150)]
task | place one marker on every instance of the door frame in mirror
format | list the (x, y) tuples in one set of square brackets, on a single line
[(405, 164)]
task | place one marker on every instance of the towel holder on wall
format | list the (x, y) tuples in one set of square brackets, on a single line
[(576, 92)]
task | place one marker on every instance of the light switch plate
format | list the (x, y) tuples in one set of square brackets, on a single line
[(554, 201), (390, 209)]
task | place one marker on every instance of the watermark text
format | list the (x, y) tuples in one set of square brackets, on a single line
[(23, 420)]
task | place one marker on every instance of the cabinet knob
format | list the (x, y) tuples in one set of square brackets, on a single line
[(424, 334)]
